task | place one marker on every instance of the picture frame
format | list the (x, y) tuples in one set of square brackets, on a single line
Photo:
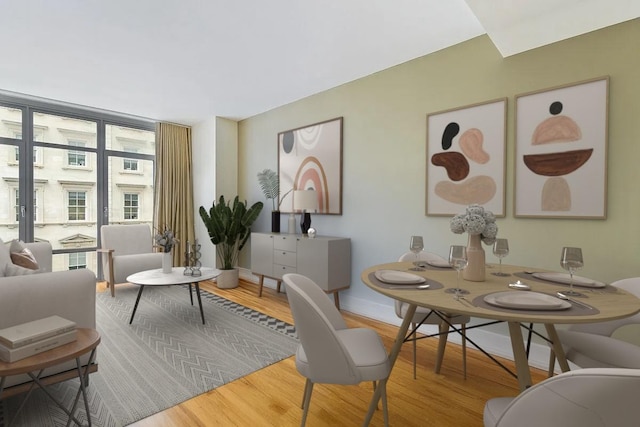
[(466, 158), (561, 151), (310, 157)]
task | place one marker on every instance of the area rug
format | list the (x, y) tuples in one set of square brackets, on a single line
[(165, 357)]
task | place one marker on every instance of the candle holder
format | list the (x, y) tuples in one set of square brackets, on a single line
[(192, 259)]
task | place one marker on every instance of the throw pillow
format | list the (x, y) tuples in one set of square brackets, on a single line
[(24, 259), (16, 270), (16, 246)]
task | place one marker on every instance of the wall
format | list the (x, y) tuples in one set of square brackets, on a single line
[(384, 156)]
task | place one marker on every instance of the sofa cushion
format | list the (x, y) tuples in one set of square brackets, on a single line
[(5, 258), (25, 259), (16, 270)]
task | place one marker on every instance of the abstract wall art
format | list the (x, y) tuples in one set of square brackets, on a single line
[(310, 158), (561, 151), (466, 158)]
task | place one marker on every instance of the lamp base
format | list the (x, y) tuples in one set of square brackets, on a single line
[(305, 222)]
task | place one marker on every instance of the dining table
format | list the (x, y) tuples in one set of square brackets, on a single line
[(493, 298)]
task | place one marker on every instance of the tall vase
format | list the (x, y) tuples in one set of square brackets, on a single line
[(275, 221), (167, 262), (476, 262)]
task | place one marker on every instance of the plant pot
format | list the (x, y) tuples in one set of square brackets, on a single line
[(475, 270), (275, 221), (228, 279)]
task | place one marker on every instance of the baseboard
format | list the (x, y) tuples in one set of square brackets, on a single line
[(494, 343)]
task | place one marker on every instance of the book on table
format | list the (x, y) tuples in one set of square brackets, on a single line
[(11, 355), (27, 333)]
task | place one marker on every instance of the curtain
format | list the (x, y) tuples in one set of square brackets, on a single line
[(173, 195)]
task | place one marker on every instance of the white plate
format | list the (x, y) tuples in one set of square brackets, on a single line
[(398, 277), (566, 279), (526, 301), (437, 261)]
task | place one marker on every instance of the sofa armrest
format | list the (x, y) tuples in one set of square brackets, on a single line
[(43, 254)]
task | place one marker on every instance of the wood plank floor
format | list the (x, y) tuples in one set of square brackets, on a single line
[(272, 395)]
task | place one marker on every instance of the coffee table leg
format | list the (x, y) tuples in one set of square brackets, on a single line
[(191, 293), (199, 301), (135, 307)]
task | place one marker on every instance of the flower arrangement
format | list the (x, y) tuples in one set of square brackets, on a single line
[(476, 220), (166, 239)]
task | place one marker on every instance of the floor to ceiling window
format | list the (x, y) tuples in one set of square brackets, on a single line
[(65, 171)]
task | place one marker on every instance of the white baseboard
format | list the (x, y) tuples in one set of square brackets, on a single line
[(493, 343)]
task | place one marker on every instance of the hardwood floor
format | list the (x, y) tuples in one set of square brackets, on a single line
[(272, 395)]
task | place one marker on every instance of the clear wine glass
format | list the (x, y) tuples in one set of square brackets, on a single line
[(458, 260), (501, 250), (571, 260), (416, 245)]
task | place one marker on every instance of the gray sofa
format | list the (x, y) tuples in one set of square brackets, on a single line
[(70, 294)]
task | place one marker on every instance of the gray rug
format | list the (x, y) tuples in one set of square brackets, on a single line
[(165, 357)]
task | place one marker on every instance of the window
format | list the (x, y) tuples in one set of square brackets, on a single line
[(17, 205), (77, 205), (77, 260), (130, 165), (130, 206), (76, 158)]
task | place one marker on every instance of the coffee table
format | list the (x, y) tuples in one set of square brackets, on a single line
[(34, 366), (176, 277)]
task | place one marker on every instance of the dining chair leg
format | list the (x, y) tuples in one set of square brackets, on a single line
[(375, 384), (308, 388), (464, 350), (442, 343), (413, 328), (304, 393), (552, 363), (385, 411)]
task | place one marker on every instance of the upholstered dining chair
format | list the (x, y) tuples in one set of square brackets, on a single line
[(593, 397), (427, 316), (126, 249), (329, 351), (591, 345)]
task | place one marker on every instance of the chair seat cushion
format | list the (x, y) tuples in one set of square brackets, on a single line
[(125, 265), (433, 319), (494, 408), (596, 351)]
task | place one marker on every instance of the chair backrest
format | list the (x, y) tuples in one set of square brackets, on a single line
[(127, 239), (596, 397), (316, 321), (631, 285)]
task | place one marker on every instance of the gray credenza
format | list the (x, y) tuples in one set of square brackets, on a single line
[(325, 260)]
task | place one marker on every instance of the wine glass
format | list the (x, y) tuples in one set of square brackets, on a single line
[(571, 260), (501, 250), (416, 246), (458, 260)]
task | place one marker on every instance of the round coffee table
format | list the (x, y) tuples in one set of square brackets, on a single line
[(176, 277), (87, 341)]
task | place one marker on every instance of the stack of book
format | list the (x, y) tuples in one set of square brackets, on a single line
[(27, 339)]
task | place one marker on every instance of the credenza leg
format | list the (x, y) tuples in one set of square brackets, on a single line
[(260, 284), (336, 299)]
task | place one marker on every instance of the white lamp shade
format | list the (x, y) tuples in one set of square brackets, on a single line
[(305, 200)]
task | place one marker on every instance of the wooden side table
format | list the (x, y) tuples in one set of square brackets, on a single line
[(34, 366)]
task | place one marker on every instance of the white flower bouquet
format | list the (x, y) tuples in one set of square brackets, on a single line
[(476, 220)]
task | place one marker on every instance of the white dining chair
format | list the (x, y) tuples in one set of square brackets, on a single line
[(596, 397), (329, 351), (425, 316), (591, 345)]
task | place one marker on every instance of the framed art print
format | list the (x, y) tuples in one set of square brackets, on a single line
[(466, 158), (561, 151), (310, 158)]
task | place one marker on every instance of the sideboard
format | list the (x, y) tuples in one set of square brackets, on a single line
[(325, 260)]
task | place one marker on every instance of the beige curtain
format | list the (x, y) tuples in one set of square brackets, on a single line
[(173, 195)]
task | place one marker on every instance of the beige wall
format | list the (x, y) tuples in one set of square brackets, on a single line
[(384, 153)]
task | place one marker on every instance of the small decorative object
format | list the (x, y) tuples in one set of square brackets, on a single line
[(192, 260), (229, 227), (166, 240), (270, 185), (291, 229), (481, 226), (311, 232), (305, 200)]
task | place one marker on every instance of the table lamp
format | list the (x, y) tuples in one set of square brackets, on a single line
[(305, 201)]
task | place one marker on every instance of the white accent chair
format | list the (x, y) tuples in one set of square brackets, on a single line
[(596, 397), (591, 345), (125, 250), (429, 317), (329, 351)]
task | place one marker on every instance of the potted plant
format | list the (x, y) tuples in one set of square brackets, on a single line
[(229, 227), (270, 185)]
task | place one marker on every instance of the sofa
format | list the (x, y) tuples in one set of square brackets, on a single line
[(28, 294)]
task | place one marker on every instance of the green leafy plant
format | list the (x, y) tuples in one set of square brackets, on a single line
[(270, 185), (229, 227)]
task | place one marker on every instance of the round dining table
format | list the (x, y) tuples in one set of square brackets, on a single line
[(599, 302)]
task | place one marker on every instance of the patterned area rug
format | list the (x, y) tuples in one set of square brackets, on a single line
[(165, 357)]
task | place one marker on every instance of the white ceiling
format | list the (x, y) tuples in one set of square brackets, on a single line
[(185, 61)]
